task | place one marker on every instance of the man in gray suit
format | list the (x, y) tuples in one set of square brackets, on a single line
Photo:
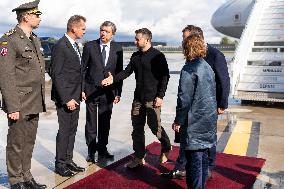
[(22, 86), (66, 93)]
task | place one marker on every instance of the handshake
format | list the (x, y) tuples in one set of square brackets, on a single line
[(107, 81)]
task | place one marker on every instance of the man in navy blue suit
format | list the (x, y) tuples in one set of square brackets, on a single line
[(217, 61), (66, 93)]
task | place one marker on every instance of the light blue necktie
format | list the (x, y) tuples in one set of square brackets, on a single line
[(76, 48)]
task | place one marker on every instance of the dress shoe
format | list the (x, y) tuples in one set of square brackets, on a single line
[(63, 171), (32, 184), (174, 174), (135, 163), (164, 157), (92, 158), (74, 167), (105, 154), (19, 185)]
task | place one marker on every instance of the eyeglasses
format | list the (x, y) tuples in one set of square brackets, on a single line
[(37, 15)]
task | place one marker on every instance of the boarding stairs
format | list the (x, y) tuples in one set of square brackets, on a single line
[(258, 68)]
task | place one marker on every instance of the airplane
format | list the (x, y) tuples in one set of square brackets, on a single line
[(230, 19)]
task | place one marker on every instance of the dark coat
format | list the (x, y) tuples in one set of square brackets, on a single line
[(217, 61), (94, 70), (65, 72), (196, 109), (22, 81)]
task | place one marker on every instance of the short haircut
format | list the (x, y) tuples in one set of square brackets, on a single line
[(194, 47), (73, 20), (145, 32), (20, 15), (109, 23), (194, 29)]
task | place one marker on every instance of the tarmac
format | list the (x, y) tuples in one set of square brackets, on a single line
[(255, 130)]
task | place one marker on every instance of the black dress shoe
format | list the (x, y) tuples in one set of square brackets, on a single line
[(19, 185), (74, 167), (174, 174), (105, 154), (32, 184), (92, 159), (63, 171)]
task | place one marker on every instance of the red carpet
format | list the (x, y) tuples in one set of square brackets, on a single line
[(231, 172)]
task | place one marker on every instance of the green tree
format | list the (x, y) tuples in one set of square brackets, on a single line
[(227, 41)]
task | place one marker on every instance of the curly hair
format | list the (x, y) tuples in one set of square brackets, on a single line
[(194, 47)]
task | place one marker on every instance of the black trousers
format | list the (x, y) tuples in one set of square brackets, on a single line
[(65, 139), (20, 144), (98, 123)]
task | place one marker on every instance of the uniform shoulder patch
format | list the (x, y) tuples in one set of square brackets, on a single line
[(10, 32)]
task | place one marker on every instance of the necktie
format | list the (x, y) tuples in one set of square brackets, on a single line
[(104, 54), (76, 47)]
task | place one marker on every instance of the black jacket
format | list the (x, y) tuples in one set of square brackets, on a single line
[(217, 61), (151, 74), (65, 72), (94, 70)]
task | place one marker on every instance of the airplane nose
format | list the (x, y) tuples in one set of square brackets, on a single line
[(217, 20)]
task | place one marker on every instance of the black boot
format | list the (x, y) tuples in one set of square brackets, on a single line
[(32, 184)]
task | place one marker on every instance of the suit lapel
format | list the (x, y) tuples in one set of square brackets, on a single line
[(69, 45)]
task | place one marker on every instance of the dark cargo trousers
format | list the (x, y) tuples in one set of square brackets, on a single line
[(20, 144), (139, 113)]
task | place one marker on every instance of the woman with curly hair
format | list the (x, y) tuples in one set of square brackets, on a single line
[(196, 115)]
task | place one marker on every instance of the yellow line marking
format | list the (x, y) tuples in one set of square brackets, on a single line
[(239, 139)]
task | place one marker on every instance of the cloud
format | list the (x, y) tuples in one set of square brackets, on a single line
[(165, 18)]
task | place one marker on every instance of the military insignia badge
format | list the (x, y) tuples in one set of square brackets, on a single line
[(4, 51)]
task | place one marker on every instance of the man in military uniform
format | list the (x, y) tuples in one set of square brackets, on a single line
[(22, 87)]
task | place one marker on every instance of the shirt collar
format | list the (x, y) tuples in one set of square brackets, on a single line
[(107, 44), (72, 41)]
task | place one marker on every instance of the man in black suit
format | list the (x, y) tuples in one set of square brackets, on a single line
[(100, 57), (66, 92)]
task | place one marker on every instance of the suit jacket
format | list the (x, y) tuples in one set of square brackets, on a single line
[(217, 61), (65, 72), (22, 73), (94, 70)]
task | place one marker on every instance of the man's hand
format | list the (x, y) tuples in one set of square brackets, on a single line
[(116, 99), (220, 111), (14, 115), (71, 105), (176, 127), (84, 96), (158, 102), (107, 81)]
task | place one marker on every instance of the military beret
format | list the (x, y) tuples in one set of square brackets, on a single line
[(30, 8)]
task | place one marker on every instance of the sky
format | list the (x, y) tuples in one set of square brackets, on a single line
[(165, 18)]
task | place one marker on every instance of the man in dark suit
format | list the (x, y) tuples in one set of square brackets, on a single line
[(66, 92), (100, 57), (22, 87), (217, 61)]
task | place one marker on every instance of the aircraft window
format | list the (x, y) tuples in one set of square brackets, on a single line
[(282, 50), (237, 17)]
